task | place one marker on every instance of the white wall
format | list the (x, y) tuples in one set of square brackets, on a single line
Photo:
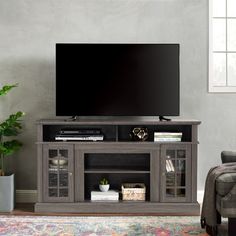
[(28, 33)]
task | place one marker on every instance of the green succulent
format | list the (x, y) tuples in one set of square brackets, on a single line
[(103, 181)]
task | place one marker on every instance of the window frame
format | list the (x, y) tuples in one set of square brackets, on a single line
[(211, 87)]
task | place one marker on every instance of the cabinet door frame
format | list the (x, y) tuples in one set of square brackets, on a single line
[(188, 179), (45, 172)]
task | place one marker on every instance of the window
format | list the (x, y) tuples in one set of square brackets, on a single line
[(222, 45)]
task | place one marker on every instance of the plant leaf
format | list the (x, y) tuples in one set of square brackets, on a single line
[(9, 147), (11, 126), (5, 89)]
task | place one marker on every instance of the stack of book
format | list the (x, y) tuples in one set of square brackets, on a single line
[(110, 195), (167, 137)]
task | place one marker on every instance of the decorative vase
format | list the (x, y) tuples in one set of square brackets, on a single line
[(139, 134), (104, 188)]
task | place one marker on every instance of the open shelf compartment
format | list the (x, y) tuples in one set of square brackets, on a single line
[(119, 133), (115, 180), (117, 162)]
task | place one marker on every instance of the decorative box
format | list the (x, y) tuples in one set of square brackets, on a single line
[(133, 191)]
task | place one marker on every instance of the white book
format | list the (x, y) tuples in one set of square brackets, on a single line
[(168, 136), (110, 195), (168, 133), (105, 198), (167, 139)]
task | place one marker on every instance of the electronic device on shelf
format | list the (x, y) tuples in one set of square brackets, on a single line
[(75, 131), (117, 79), (79, 137), (75, 134)]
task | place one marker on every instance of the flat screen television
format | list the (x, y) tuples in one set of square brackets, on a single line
[(100, 79)]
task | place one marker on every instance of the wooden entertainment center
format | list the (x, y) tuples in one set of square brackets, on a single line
[(67, 187)]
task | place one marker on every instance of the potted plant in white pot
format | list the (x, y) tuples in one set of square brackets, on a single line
[(8, 128), (104, 185)]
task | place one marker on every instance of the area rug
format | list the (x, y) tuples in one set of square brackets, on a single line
[(100, 226)]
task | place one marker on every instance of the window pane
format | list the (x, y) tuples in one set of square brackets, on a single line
[(170, 179), (52, 180), (170, 153), (219, 69), (170, 192), (52, 153), (232, 69), (180, 167), (231, 34), (231, 8), (52, 192), (180, 180), (181, 193), (219, 8), (63, 179), (219, 34), (181, 153), (63, 192), (63, 153)]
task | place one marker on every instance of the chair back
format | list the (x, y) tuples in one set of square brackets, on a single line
[(228, 156)]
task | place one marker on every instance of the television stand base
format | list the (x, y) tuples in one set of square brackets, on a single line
[(162, 118), (73, 118)]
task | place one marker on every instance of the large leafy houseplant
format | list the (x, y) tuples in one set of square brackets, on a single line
[(9, 128)]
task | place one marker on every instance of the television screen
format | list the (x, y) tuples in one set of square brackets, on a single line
[(117, 79)]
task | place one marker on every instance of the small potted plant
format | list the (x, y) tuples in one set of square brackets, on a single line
[(8, 128), (104, 185)]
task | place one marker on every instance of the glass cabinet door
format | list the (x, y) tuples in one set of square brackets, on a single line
[(176, 173), (58, 167)]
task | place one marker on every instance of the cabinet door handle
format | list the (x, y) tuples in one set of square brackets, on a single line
[(70, 173)]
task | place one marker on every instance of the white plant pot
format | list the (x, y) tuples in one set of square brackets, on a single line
[(7, 193), (104, 188)]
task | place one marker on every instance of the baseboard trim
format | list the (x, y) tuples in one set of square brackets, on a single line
[(30, 196), (26, 196), (200, 194)]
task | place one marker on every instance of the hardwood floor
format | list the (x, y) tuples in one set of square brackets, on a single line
[(27, 209), (22, 209)]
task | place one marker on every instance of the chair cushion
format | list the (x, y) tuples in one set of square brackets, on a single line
[(225, 182), (226, 205)]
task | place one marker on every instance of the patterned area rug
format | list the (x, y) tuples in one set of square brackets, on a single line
[(100, 226)]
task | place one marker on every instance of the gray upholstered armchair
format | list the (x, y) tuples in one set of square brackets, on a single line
[(220, 195), (226, 194)]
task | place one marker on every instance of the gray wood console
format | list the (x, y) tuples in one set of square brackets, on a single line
[(67, 188)]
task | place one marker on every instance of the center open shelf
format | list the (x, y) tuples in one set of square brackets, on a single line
[(117, 168), (116, 162), (116, 180)]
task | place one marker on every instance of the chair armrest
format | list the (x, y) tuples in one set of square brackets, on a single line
[(228, 156)]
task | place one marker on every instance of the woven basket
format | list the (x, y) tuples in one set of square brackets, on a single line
[(133, 191)]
